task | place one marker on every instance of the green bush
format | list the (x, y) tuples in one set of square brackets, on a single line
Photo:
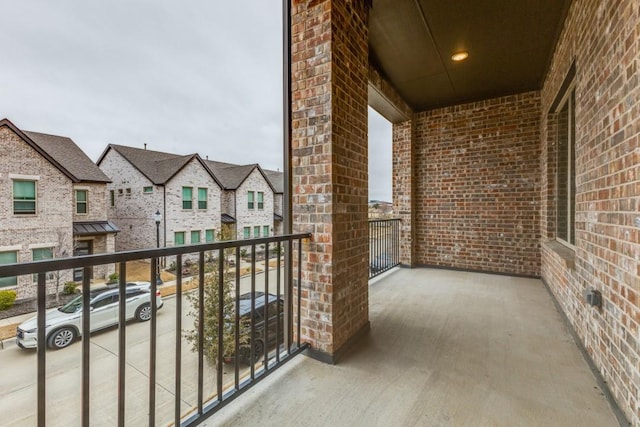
[(7, 298), (113, 278), (70, 288)]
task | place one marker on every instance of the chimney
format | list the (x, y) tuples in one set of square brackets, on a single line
[(145, 146), (207, 157)]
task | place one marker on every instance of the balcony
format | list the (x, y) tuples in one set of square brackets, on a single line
[(445, 348)]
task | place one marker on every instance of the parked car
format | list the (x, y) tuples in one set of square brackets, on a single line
[(64, 324), (276, 317)]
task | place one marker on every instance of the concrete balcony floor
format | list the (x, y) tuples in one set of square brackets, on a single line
[(445, 349)]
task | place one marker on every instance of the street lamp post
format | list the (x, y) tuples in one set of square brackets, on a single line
[(158, 217)]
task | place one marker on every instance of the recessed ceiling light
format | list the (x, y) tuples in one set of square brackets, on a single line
[(459, 56)]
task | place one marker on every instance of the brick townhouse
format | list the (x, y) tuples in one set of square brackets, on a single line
[(252, 202), (196, 198), (180, 187), (52, 204)]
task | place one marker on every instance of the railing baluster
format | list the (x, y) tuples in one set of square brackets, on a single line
[(86, 342), (253, 312), (236, 357), (153, 343), (220, 322), (201, 338), (122, 341), (279, 246), (42, 348), (178, 378), (266, 306), (299, 287)]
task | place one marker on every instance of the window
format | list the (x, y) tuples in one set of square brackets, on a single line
[(8, 258), (24, 197), (81, 201), (147, 190), (112, 198), (566, 178), (178, 238), (128, 191), (119, 191), (40, 254), (260, 200), (265, 231), (256, 231), (209, 235), (247, 232), (187, 198), (202, 198), (250, 196), (195, 236)]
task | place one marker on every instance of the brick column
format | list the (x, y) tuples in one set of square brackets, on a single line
[(403, 188), (329, 169)]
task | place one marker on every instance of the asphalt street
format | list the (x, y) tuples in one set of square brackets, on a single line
[(63, 372)]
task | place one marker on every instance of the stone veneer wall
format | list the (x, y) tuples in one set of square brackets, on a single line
[(329, 168), (51, 226), (602, 38), (477, 182)]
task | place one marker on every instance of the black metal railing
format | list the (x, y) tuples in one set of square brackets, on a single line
[(185, 400), (384, 245)]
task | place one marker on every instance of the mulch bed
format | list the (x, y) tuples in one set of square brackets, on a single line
[(29, 305)]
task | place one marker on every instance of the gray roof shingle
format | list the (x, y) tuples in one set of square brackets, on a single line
[(159, 167), (277, 180), (64, 151), (230, 175)]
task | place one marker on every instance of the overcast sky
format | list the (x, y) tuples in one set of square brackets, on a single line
[(183, 77)]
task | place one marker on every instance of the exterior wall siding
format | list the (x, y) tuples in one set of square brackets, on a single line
[(51, 226), (178, 219), (97, 195), (134, 209), (477, 183), (602, 38), (246, 217)]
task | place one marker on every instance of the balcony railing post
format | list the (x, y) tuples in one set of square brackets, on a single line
[(42, 348)]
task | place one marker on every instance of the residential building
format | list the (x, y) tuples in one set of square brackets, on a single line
[(52, 205), (249, 205), (181, 188), (276, 178)]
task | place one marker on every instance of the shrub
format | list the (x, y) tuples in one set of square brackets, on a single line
[(70, 288), (7, 298), (113, 278)]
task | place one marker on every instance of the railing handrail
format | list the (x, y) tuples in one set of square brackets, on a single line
[(384, 219), (55, 264)]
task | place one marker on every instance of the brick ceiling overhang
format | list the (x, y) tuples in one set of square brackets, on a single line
[(510, 44)]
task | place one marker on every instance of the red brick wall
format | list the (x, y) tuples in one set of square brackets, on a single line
[(329, 161), (602, 37), (477, 185), (404, 187)]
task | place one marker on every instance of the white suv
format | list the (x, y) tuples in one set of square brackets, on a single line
[(64, 324)]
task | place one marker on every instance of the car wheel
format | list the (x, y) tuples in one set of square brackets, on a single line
[(61, 338), (143, 313)]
